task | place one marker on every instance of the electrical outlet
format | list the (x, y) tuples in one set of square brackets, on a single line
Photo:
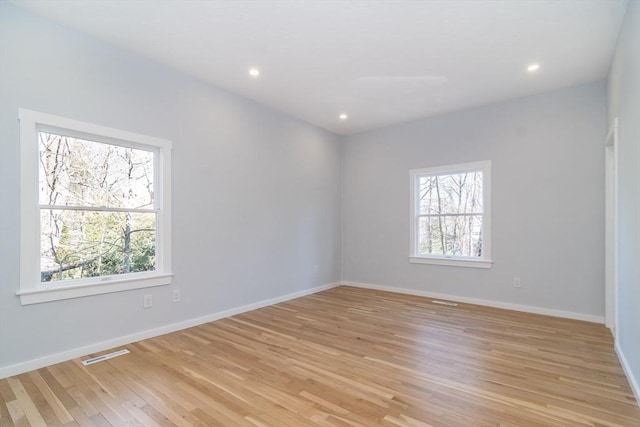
[(148, 301), (315, 268), (176, 295), (516, 282)]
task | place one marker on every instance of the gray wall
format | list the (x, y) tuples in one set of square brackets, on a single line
[(623, 101), (547, 198), (256, 194)]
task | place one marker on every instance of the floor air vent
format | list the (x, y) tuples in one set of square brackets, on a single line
[(452, 304), (104, 357)]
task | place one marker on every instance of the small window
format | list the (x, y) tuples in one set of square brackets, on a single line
[(451, 215), (95, 209)]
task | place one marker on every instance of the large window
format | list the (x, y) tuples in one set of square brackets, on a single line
[(451, 215), (95, 209)]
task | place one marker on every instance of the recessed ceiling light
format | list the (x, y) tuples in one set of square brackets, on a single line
[(533, 67), (343, 116), (254, 72)]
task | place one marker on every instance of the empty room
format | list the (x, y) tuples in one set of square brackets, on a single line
[(320, 213)]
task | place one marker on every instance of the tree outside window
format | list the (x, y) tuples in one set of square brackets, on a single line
[(96, 208)]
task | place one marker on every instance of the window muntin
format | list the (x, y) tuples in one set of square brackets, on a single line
[(95, 209), (450, 220)]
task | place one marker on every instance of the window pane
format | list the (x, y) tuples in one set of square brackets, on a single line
[(450, 235), (450, 194), (76, 244), (77, 172)]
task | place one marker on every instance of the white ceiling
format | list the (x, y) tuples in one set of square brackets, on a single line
[(381, 62)]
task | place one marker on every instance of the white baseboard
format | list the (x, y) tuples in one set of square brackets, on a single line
[(489, 303), (633, 382), (30, 365)]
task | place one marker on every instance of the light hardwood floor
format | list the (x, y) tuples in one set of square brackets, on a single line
[(343, 357)]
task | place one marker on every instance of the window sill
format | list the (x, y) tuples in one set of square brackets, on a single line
[(56, 293), (453, 262)]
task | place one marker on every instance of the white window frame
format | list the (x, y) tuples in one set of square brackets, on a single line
[(485, 260), (32, 290)]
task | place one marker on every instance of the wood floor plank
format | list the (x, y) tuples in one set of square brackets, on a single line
[(6, 395), (25, 402), (16, 413), (54, 403), (345, 357)]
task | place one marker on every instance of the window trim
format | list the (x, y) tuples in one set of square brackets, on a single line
[(32, 290), (474, 262)]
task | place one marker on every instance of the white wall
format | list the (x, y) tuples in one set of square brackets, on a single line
[(623, 101), (256, 194), (547, 156)]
